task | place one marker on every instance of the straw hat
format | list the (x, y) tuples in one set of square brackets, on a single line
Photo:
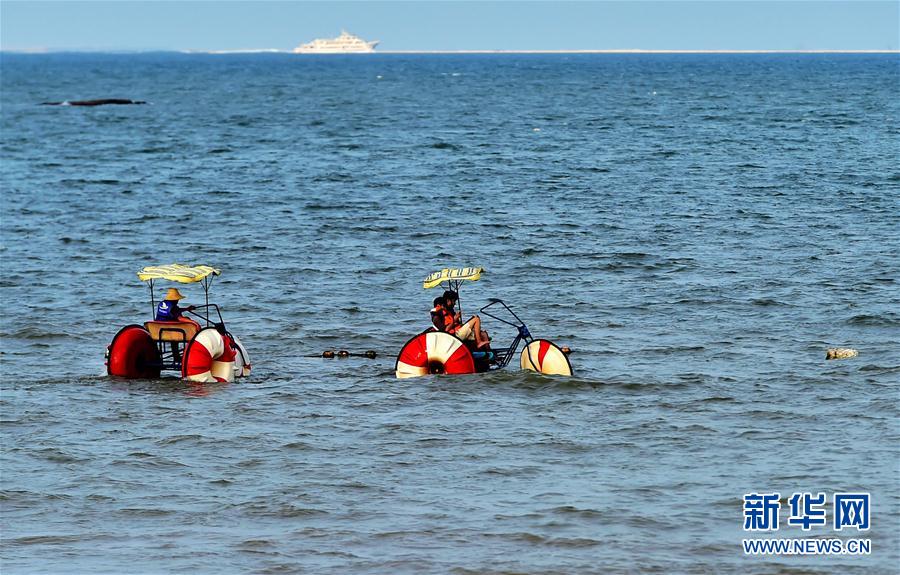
[(174, 294)]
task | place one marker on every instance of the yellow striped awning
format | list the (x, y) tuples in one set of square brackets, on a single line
[(177, 273), (452, 274)]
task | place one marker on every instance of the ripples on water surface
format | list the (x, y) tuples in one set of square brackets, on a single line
[(698, 228)]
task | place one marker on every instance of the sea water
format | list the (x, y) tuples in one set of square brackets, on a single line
[(699, 229)]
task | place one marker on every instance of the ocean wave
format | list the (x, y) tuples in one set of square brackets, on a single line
[(883, 320)]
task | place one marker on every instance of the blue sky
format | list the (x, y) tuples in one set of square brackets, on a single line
[(458, 25)]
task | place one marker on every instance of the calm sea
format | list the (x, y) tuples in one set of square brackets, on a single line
[(698, 228)]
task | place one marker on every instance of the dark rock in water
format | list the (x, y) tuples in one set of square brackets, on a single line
[(102, 102)]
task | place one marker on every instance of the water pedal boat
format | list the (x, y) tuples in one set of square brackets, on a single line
[(439, 352), (202, 350)]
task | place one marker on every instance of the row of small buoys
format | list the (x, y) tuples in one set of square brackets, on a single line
[(840, 353), (343, 353)]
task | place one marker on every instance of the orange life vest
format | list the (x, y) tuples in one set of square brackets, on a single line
[(450, 325), (449, 322)]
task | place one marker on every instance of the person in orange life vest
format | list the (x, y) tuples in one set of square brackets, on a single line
[(471, 330), (442, 318), (168, 309), (438, 314)]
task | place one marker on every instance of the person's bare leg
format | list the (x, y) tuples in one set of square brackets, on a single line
[(480, 340)]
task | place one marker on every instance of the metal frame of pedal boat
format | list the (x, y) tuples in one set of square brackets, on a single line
[(503, 357), (170, 357)]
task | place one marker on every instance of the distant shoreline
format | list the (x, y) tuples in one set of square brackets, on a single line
[(617, 51), (638, 51), (451, 52)]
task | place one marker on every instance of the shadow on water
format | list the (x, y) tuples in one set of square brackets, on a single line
[(513, 378), (170, 386), (161, 386)]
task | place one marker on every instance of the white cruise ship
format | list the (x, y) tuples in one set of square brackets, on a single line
[(346, 43)]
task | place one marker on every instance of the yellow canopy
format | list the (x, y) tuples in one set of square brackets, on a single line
[(452, 275), (177, 273)]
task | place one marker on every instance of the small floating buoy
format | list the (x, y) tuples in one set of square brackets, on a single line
[(331, 354), (840, 353)]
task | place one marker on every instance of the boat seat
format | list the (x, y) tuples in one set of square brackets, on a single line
[(171, 330)]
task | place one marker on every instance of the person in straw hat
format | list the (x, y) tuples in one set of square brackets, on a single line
[(168, 309)]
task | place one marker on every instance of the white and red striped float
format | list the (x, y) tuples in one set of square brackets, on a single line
[(545, 357), (241, 359), (214, 356), (434, 352)]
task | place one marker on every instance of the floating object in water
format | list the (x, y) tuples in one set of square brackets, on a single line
[(101, 102), (331, 354), (840, 353), (438, 352)]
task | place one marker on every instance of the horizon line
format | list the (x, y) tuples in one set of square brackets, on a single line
[(476, 51), (640, 51)]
